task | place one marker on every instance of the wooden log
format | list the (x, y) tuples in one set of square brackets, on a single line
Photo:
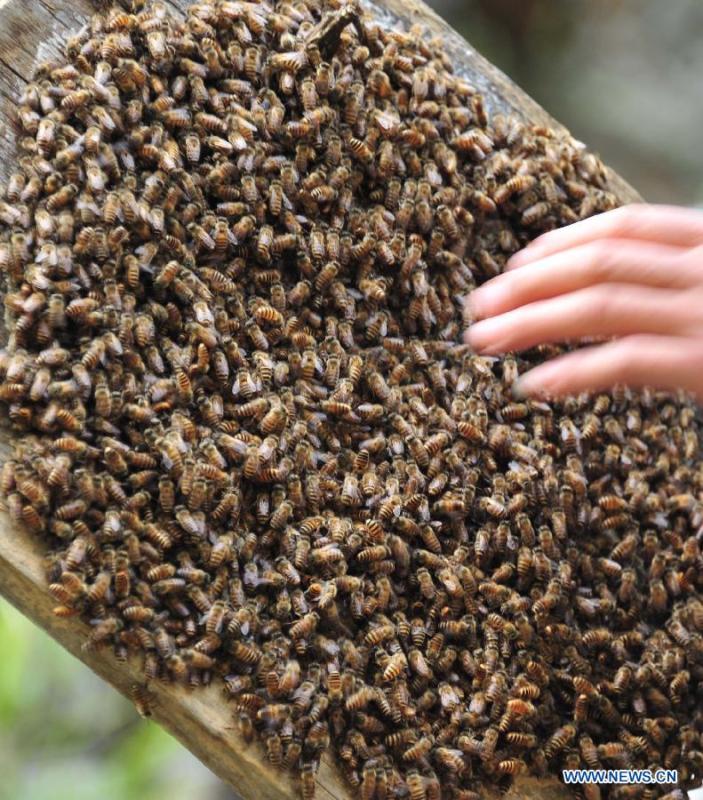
[(31, 32)]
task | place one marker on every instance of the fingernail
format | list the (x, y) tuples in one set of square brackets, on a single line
[(467, 314), (523, 388), (520, 258), (465, 340), (529, 253), (470, 336), (517, 390), (471, 307), (482, 300), (479, 335), (535, 382)]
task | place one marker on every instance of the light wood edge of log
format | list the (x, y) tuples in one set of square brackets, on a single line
[(202, 719)]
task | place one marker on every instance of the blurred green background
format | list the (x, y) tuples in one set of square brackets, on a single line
[(624, 76)]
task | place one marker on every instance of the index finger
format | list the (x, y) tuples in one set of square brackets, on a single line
[(669, 225)]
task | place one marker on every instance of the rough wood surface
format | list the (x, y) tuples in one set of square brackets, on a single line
[(32, 31)]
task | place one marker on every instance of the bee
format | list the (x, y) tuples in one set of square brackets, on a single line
[(307, 779), (45, 133), (512, 766), (305, 626), (416, 785), (559, 740), (269, 315), (61, 198), (516, 185), (142, 699), (658, 596)]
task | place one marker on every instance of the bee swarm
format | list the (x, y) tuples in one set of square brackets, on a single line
[(235, 248)]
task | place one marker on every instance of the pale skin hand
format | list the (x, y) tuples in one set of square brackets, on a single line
[(634, 274)]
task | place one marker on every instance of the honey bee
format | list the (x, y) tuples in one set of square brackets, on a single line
[(512, 766), (142, 699), (559, 740)]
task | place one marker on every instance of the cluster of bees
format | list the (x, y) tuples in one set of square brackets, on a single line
[(235, 248)]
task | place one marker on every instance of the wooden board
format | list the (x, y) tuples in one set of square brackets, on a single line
[(31, 31)]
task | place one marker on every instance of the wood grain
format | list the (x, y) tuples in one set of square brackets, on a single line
[(33, 32)]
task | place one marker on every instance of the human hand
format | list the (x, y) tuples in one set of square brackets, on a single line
[(635, 274)]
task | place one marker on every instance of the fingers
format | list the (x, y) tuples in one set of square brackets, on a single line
[(672, 225), (605, 310), (662, 362), (607, 260)]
